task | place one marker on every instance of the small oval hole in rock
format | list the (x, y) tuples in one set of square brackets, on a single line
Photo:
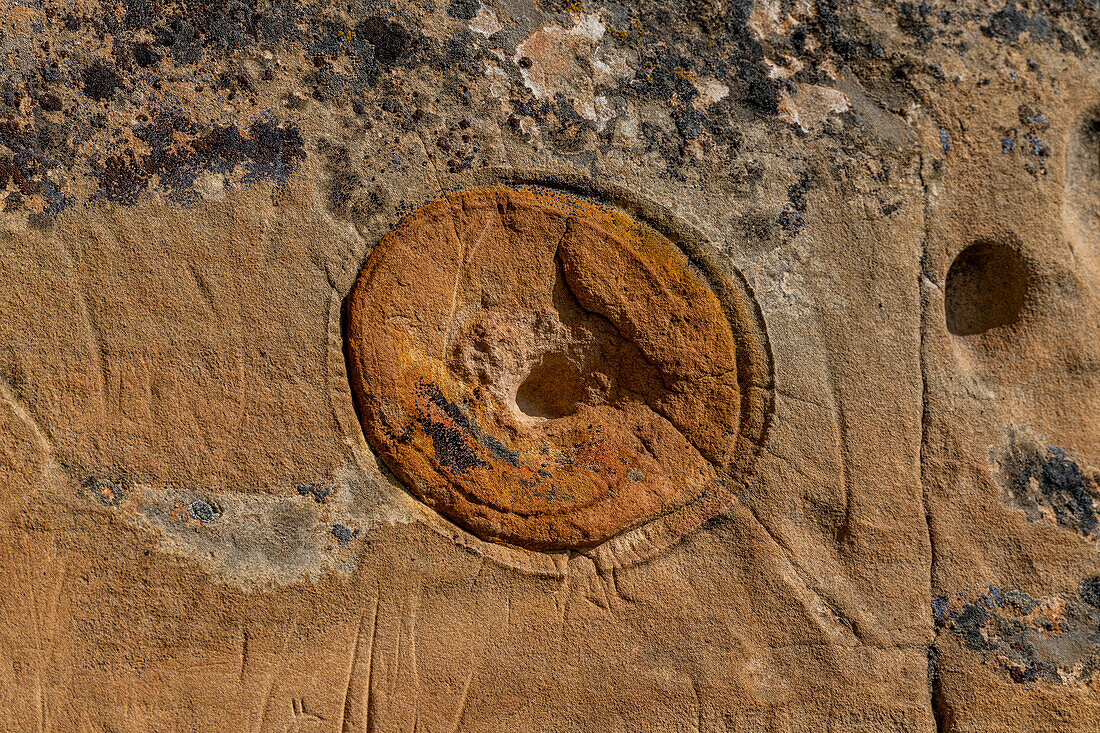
[(987, 287), (553, 389)]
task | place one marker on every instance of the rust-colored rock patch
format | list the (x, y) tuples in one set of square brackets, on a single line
[(547, 372)]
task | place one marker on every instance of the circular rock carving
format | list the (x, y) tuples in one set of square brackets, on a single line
[(987, 286), (548, 372)]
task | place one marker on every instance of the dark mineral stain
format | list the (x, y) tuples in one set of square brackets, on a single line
[(671, 56), (1070, 493), (500, 450), (934, 676), (764, 95), (100, 81), (110, 491), (1018, 601), (202, 511), (1008, 23), (144, 55), (912, 20), (179, 152), (688, 122), (343, 535), (939, 610), (189, 27), (30, 162), (391, 40), (968, 625), (463, 9), (792, 218), (1089, 590), (1055, 641), (318, 492), (279, 22), (342, 185), (353, 48), (843, 33), (1053, 480), (451, 445), (50, 102), (453, 411), (791, 221), (1033, 118)]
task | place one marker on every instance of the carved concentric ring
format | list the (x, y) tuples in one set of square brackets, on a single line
[(547, 372)]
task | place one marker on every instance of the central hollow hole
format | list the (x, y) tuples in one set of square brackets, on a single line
[(987, 287), (588, 363), (553, 389)]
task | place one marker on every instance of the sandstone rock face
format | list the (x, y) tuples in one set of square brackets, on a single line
[(509, 366)]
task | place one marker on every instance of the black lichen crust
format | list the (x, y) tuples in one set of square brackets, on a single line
[(1054, 640), (1050, 483), (126, 98)]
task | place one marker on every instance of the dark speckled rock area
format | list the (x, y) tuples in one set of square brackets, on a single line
[(93, 96)]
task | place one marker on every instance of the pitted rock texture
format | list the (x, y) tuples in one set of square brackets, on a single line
[(547, 372)]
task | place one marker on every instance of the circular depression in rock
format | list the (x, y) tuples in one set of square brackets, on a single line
[(547, 372), (987, 287)]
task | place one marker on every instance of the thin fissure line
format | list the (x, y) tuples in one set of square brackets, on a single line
[(935, 684)]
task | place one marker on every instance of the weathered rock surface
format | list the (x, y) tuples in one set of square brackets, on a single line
[(294, 293)]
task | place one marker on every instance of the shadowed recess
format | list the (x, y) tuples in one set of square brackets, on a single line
[(987, 288)]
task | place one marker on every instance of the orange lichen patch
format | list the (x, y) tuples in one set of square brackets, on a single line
[(544, 371)]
